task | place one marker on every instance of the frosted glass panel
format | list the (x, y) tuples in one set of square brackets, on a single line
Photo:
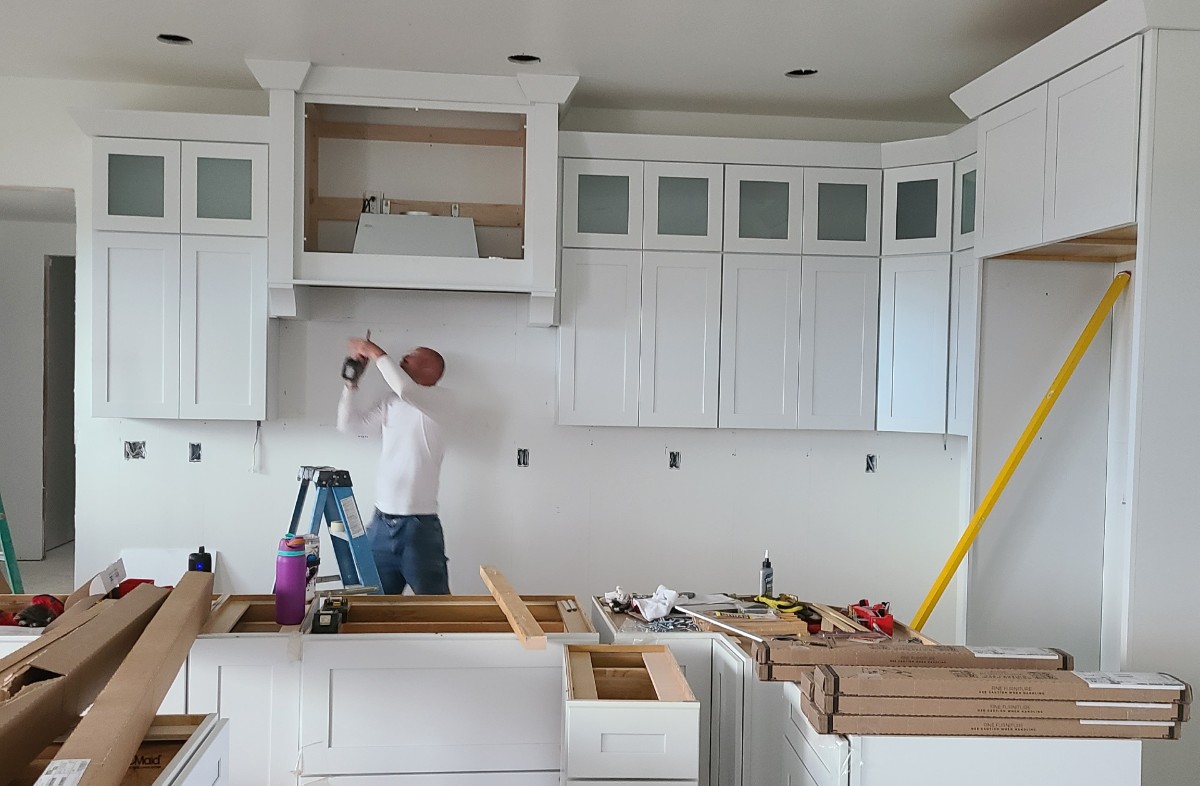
[(683, 206), (224, 188), (967, 220), (603, 204), (841, 211), (135, 185), (763, 210), (916, 209)]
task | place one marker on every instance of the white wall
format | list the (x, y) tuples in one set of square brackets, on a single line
[(23, 248), (597, 507)]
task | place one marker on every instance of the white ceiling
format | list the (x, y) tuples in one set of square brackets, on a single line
[(895, 60)]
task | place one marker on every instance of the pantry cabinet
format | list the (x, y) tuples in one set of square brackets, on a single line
[(683, 206), (842, 210), (764, 209), (916, 209), (178, 326), (1012, 166), (602, 203), (914, 294)]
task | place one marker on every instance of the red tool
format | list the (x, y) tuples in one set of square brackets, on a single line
[(877, 616)]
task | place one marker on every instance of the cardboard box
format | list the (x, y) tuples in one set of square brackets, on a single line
[(985, 727), (778, 654), (1022, 684), (114, 727), (44, 691), (997, 708)]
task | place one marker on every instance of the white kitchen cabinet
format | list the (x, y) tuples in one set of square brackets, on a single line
[(683, 206), (598, 338), (178, 326), (794, 771), (965, 282), (760, 340), (914, 293), (965, 178), (223, 327), (1092, 144), (839, 321), (842, 211), (452, 779), (602, 203), (731, 673), (253, 681), (1010, 183), (917, 209), (680, 339), (764, 209), (156, 185), (203, 760)]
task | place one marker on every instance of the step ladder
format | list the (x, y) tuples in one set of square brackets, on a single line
[(8, 556), (335, 505)]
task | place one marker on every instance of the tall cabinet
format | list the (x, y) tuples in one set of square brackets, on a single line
[(179, 311)]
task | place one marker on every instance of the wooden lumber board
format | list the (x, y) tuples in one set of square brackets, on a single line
[(437, 135), (485, 214), (583, 681), (528, 631), (840, 620), (502, 626), (572, 616), (224, 619), (668, 680)]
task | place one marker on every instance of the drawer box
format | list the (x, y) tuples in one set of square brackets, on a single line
[(629, 715)]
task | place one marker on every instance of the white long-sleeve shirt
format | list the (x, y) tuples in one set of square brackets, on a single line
[(410, 460)]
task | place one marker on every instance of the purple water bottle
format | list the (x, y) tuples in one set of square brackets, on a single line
[(290, 572)]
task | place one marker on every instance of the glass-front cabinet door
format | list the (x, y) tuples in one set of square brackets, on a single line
[(918, 209), (964, 203), (136, 185), (683, 206), (223, 189), (841, 215), (602, 203), (763, 209)]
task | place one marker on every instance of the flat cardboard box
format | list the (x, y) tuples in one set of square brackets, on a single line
[(42, 696), (908, 725), (1000, 684), (114, 727), (998, 708), (780, 653)]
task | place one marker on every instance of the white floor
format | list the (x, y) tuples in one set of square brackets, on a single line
[(54, 575)]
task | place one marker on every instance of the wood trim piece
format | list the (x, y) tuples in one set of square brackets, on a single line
[(223, 620), (840, 620), (323, 208), (668, 680), (312, 168), (426, 627), (528, 630), (379, 132), (583, 680)]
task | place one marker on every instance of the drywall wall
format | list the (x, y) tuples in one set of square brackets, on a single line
[(23, 249), (596, 508)]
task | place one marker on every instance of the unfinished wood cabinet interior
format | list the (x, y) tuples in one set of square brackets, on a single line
[(466, 164)]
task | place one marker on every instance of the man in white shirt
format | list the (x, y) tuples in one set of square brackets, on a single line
[(405, 532)]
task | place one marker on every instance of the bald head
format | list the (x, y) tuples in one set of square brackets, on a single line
[(424, 365)]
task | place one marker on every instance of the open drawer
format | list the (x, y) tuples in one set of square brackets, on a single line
[(629, 714)]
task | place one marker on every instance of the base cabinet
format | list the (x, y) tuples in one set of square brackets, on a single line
[(443, 779)]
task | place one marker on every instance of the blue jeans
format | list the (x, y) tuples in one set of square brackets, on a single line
[(409, 551)]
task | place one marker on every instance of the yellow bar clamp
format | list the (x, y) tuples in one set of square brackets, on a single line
[(1018, 452)]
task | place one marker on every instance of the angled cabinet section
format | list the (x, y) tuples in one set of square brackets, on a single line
[(965, 281), (1011, 176), (683, 207), (223, 328), (839, 313), (913, 338), (602, 203), (760, 340), (1092, 144), (135, 185), (135, 325), (681, 313), (598, 337), (965, 180), (842, 211), (223, 189), (916, 209), (763, 209)]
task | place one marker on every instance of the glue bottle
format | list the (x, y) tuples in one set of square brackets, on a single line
[(766, 576), (290, 570)]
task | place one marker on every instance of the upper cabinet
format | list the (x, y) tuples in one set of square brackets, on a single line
[(841, 215), (154, 185), (965, 177), (763, 209), (916, 209), (602, 204), (1060, 161), (682, 206)]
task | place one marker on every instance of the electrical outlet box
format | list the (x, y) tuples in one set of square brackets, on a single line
[(194, 452), (372, 202), (135, 450)]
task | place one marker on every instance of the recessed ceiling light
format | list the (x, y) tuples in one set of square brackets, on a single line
[(524, 59), (171, 38), (800, 73)]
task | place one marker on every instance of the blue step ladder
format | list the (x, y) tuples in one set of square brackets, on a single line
[(8, 556), (335, 505)]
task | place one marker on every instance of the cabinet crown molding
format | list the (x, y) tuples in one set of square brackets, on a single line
[(279, 74)]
